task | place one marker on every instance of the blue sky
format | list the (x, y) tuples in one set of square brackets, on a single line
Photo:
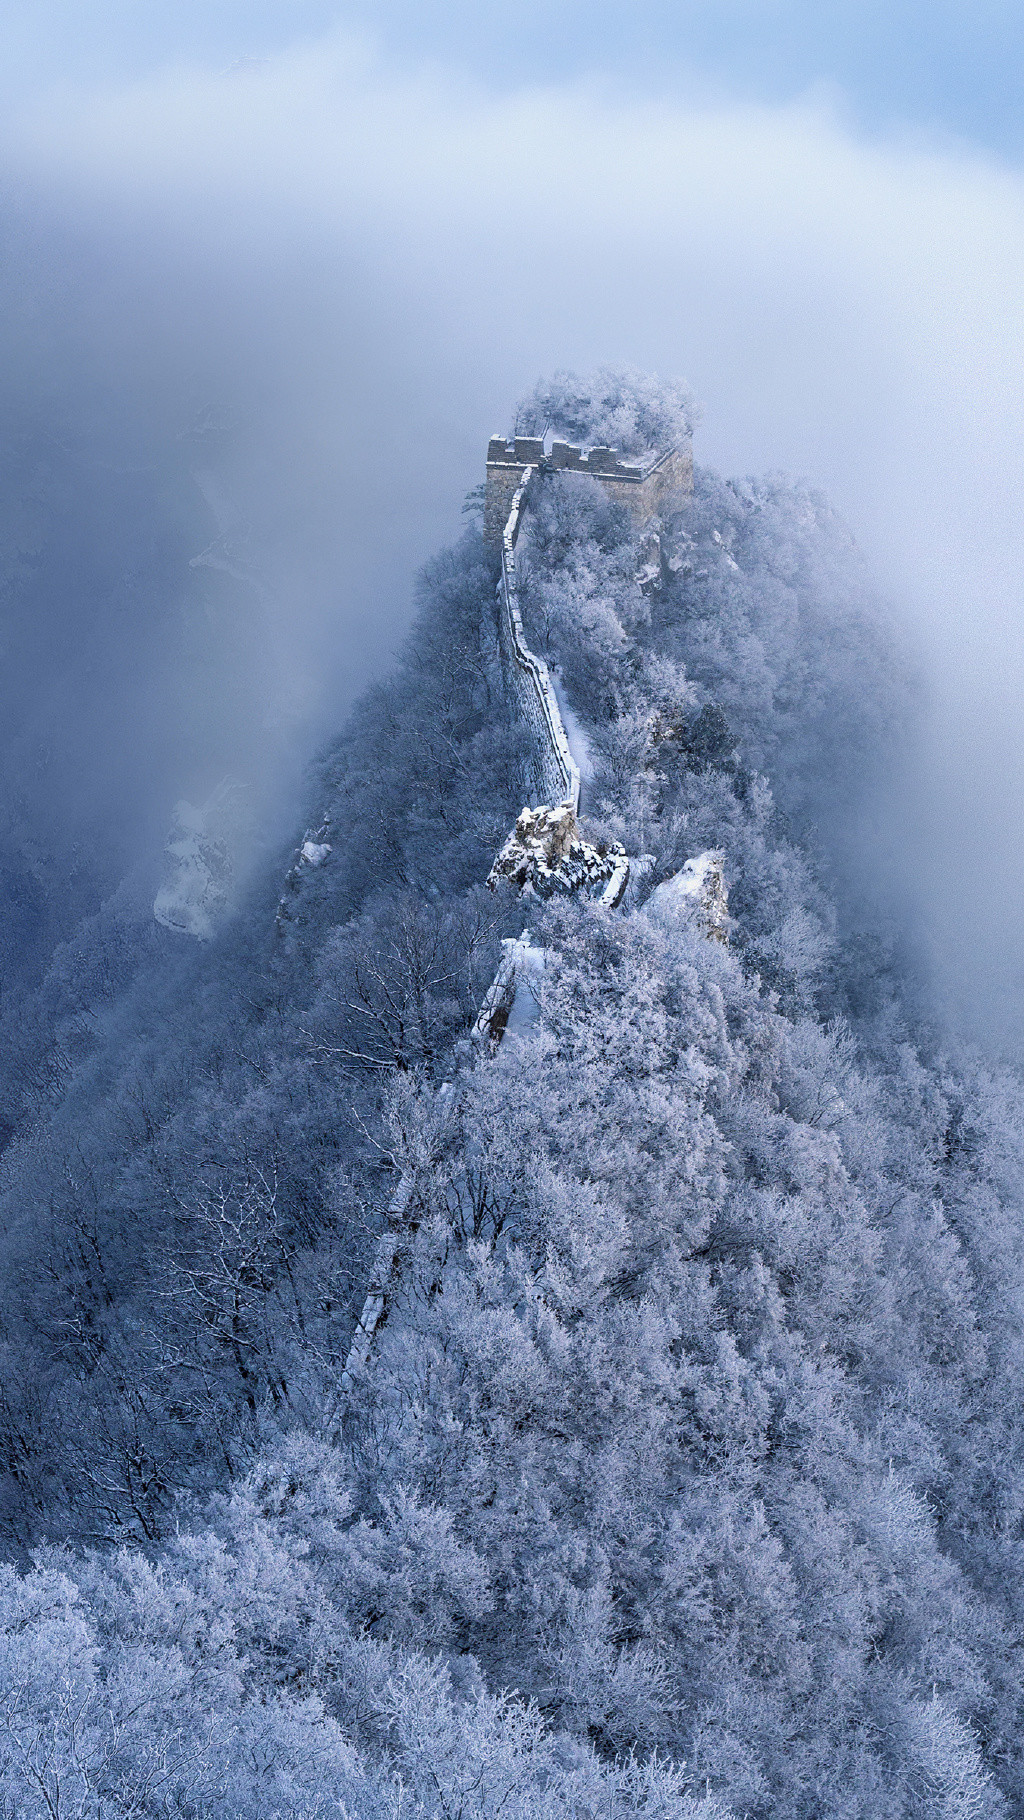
[(939, 67)]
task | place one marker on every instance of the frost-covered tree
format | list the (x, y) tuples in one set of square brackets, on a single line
[(622, 409), (683, 1477)]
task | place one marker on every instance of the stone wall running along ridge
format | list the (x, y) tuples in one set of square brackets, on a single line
[(527, 675), (511, 471)]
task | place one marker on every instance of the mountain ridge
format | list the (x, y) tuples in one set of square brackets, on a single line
[(682, 1478)]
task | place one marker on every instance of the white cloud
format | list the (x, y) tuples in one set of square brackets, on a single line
[(415, 251)]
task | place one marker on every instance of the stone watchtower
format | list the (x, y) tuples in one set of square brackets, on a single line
[(641, 485)]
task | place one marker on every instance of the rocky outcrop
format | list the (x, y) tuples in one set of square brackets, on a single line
[(311, 853), (546, 855), (196, 892), (649, 558), (697, 894)]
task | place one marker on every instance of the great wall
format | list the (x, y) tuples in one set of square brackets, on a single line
[(546, 851), (642, 485), (526, 675)]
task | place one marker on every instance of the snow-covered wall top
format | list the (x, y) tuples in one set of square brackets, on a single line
[(528, 675)]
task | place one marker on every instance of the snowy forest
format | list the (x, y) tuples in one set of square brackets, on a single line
[(684, 1478)]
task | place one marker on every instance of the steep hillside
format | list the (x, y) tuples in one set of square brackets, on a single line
[(681, 1475)]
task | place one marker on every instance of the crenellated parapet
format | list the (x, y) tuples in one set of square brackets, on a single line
[(642, 484)]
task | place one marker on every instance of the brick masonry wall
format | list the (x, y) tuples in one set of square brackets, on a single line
[(502, 485), (642, 487)]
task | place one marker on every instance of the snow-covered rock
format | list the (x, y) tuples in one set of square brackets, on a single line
[(314, 852), (697, 893), (648, 571), (546, 854), (197, 885)]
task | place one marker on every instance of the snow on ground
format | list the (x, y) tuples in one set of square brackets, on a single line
[(529, 965), (579, 744)]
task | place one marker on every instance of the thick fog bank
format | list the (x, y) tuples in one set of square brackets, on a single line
[(206, 543), (353, 269)]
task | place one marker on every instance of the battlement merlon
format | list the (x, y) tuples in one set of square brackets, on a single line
[(640, 485)]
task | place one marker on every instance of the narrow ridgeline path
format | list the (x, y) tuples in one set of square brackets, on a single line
[(546, 852), (545, 855), (528, 676)]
